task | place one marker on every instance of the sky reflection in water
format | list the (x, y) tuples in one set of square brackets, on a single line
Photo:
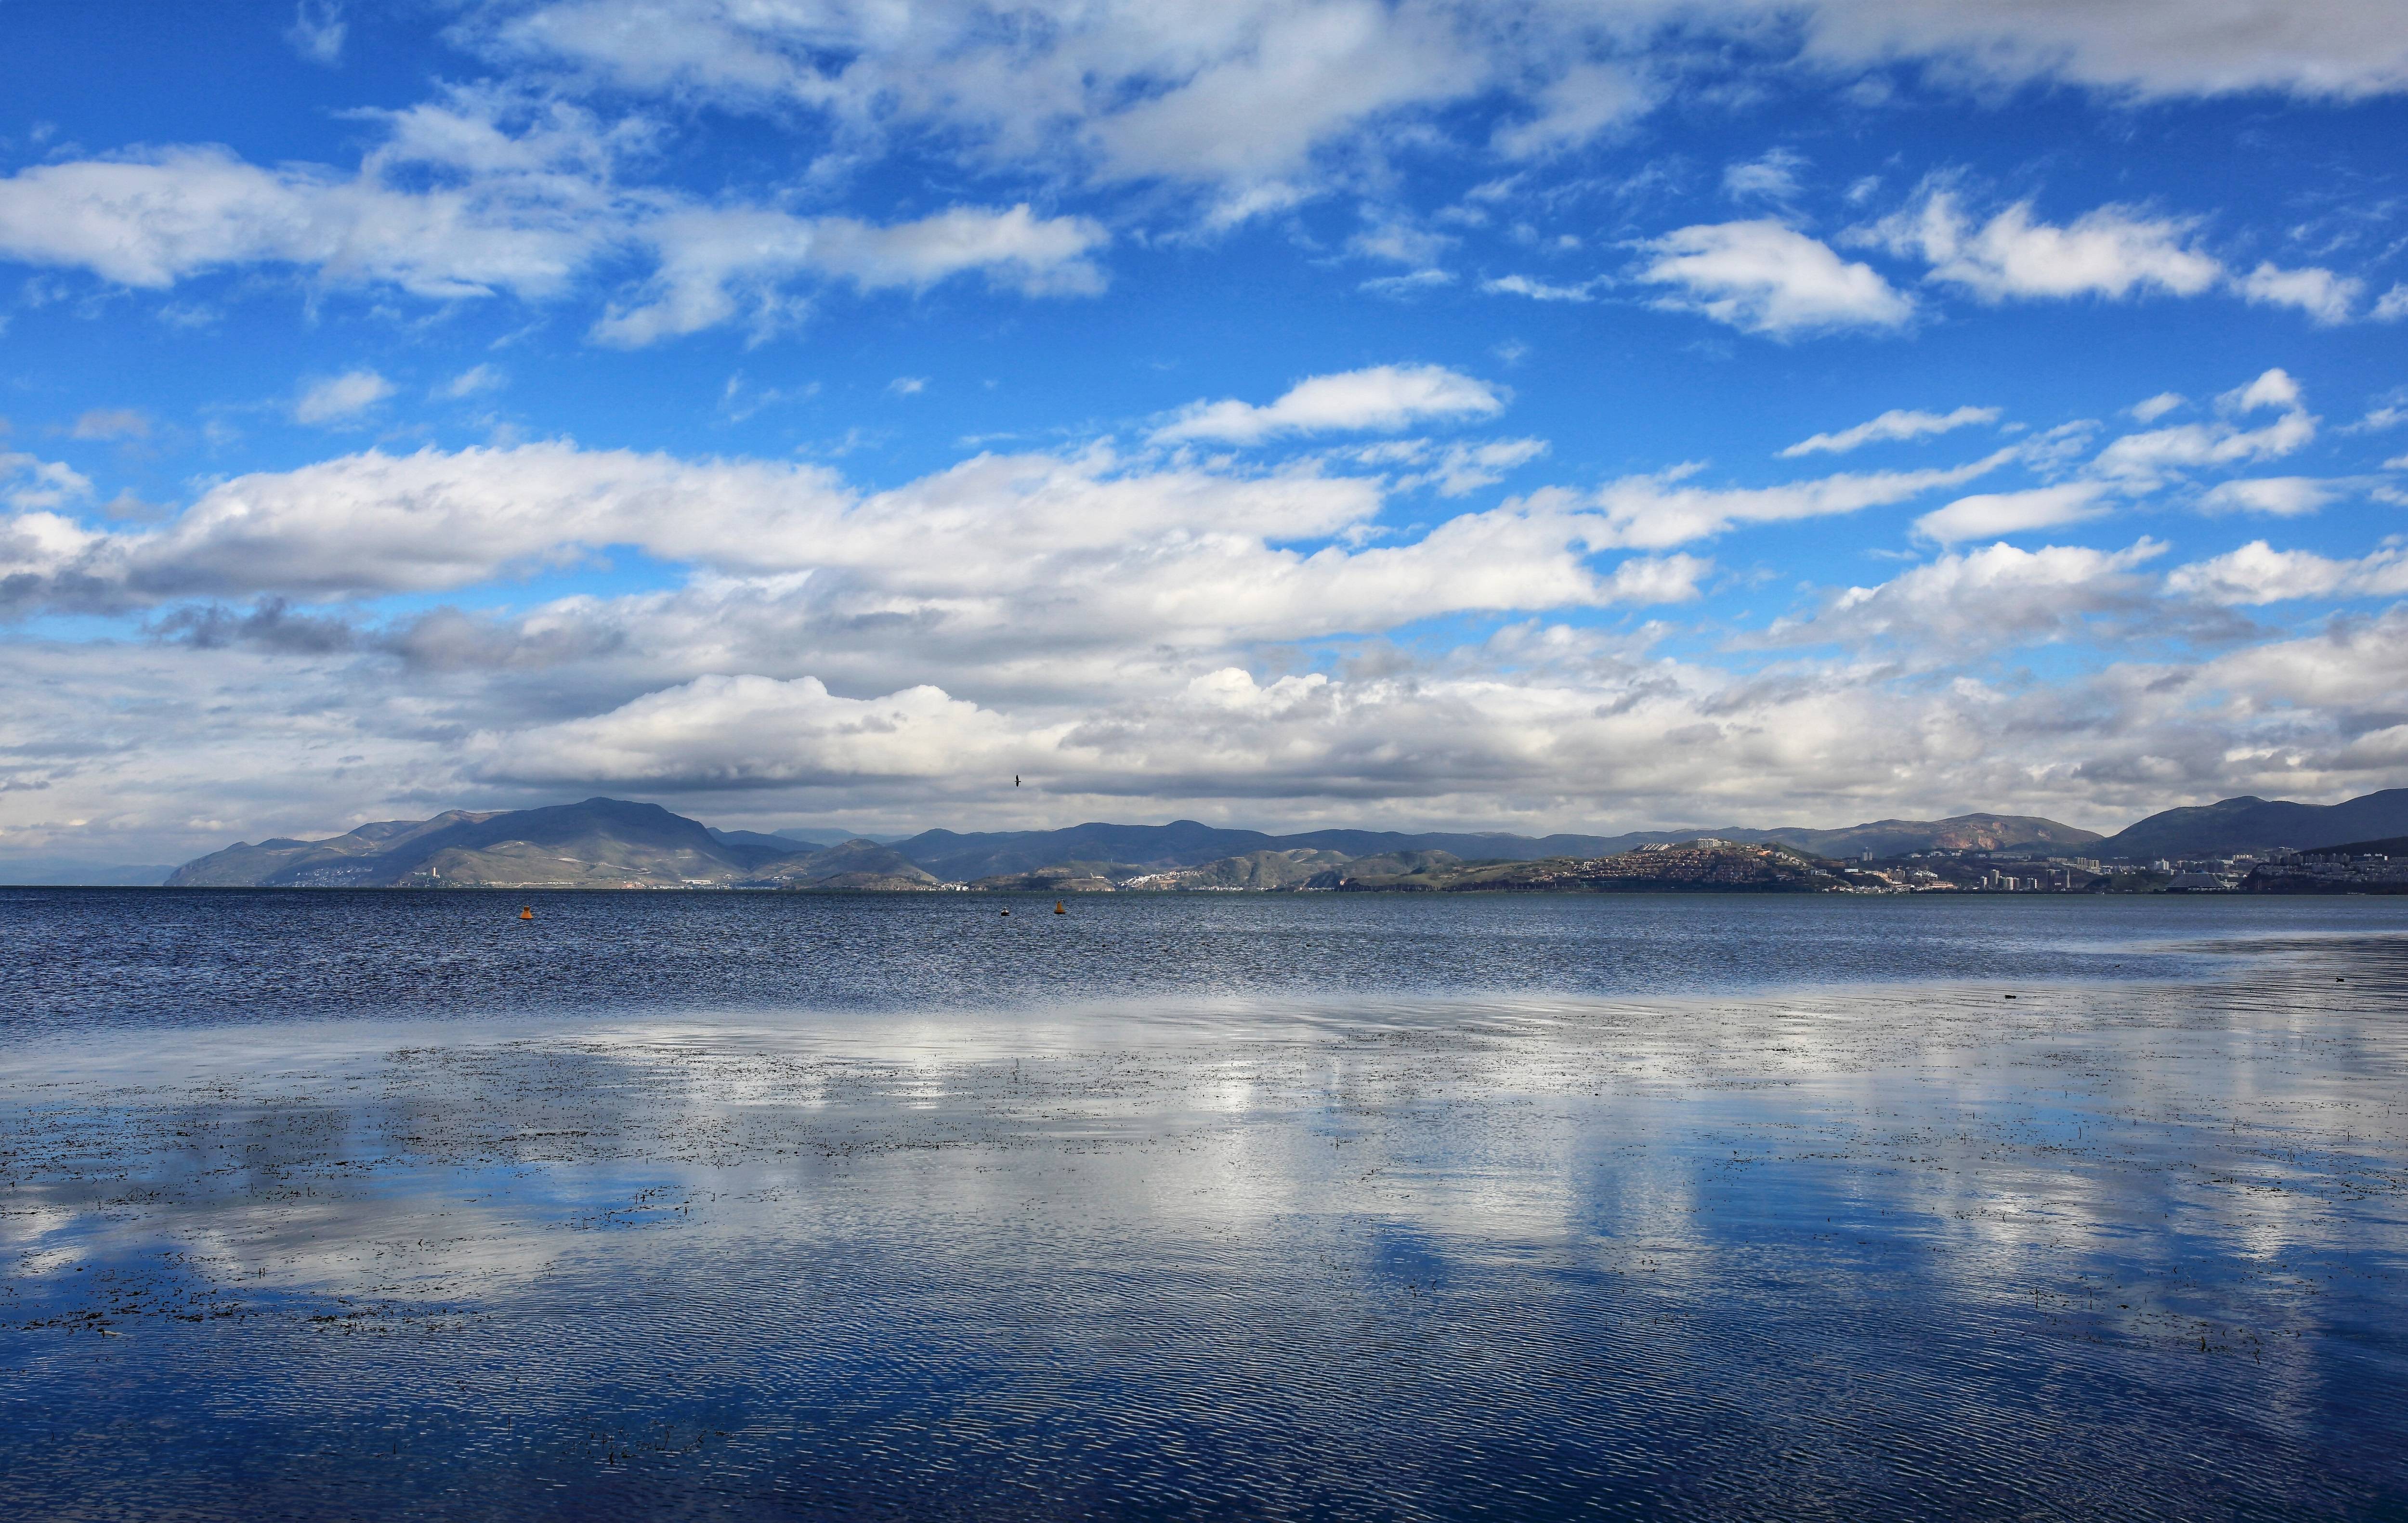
[(2128, 1247)]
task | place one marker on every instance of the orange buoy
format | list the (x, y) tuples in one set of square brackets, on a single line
[(1058, 909), (527, 912)]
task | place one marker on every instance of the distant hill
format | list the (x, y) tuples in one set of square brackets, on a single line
[(1762, 868), (598, 844), (2392, 846), (2249, 824), (1899, 837)]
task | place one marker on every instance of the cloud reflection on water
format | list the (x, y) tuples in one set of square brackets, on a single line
[(1661, 1240)]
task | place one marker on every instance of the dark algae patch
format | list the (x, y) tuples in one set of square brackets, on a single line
[(1544, 1243)]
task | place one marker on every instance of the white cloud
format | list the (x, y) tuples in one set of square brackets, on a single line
[(27, 484), (907, 385), (2257, 573), (1000, 553), (1464, 468), (739, 731), (1454, 470), (2113, 251), (480, 194), (2282, 496), (2152, 409), (1992, 514), (1537, 291), (1401, 242), (718, 264), (2276, 387), (1657, 512), (340, 398), (150, 220), (2143, 459), (1772, 176), (1897, 423), (1995, 596), (1765, 278), (2329, 298), (1385, 397), (111, 423), (316, 30), (2149, 48), (1257, 99), (2392, 306), (1579, 104), (474, 381), (1400, 286)]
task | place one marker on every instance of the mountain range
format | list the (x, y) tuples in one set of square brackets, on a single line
[(609, 842)]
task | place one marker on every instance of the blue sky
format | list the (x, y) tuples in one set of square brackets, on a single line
[(1565, 416)]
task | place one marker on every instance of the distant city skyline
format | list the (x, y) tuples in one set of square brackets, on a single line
[(1549, 418)]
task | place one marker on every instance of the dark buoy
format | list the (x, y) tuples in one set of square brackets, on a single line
[(526, 912), (2011, 996), (1058, 909), (1007, 913)]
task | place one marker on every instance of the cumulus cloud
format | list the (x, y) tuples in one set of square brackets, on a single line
[(1990, 514), (2257, 573), (2113, 251), (1897, 423), (1083, 550), (1381, 397), (2328, 298), (340, 398), (1545, 725), (2000, 595), (1766, 278), (751, 732)]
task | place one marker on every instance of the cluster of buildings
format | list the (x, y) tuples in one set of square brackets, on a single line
[(2327, 872), (2277, 871)]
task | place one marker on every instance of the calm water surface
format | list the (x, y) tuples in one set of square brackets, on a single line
[(389, 1204)]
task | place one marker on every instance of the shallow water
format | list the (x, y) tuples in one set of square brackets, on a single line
[(388, 1204)]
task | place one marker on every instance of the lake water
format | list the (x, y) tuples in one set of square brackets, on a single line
[(1326, 1206)]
